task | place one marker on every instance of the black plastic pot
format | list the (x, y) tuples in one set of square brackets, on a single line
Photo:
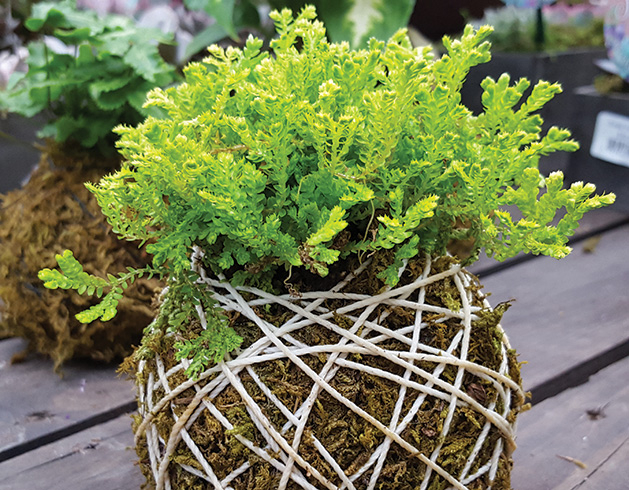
[(608, 168), (570, 68), (18, 156)]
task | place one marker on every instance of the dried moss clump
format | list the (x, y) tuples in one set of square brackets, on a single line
[(53, 212), (349, 438)]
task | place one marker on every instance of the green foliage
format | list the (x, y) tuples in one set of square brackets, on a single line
[(103, 82), (346, 20), (230, 16), (209, 347), (320, 152), (72, 276), (179, 310), (356, 21), (263, 161)]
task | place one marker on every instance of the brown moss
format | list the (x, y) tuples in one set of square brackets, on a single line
[(347, 436), (53, 212)]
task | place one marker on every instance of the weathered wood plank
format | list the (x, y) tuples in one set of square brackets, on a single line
[(566, 311), (95, 459), (35, 403), (588, 424), (610, 473)]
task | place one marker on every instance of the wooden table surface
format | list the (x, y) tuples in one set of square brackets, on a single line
[(570, 322)]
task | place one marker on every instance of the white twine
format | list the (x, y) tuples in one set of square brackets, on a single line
[(278, 343)]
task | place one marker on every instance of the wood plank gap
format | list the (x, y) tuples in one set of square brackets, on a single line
[(587, 424), (54, 436), (98, 458), (579, 374), (521, 259)]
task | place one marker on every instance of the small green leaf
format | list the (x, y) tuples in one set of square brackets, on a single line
[(330, 228)]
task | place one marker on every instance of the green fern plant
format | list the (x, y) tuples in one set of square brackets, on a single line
[(99, 81), (72, 276), (319, 152)]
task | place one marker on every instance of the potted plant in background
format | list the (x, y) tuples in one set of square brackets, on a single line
[(314, 331), (545, 26), (538, 41), (87, 75), (601, 112), (16, 132)]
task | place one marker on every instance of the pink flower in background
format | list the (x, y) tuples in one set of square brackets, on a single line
[(11, 62)]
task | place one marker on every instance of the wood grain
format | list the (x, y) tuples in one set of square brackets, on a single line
[(610, 473), (36, 402), (588, 424), (95, 459)]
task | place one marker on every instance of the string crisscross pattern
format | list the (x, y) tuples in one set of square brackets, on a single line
[(365, 336)]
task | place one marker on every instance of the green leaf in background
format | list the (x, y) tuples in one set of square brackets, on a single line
[(356, 21), (221, 10), (206, 37)]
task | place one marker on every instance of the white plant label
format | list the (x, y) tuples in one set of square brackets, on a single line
[(610, 141)]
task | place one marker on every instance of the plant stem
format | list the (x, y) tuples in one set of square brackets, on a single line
[(540, 34)]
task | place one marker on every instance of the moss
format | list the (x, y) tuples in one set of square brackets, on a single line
[(53, 212), (346, 435), (608, 84)]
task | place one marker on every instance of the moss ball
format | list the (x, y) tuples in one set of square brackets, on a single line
[(52, 212), (410, 388)]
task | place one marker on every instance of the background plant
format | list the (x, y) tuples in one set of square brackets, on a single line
[(320, 153), (356, 21), (345, 20), (527, 26), (92, 74)]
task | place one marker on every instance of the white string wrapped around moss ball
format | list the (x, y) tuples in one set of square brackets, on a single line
[(362, 337)]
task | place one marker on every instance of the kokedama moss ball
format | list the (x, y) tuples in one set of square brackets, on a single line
[(52, 212), (321, 340), (362, 386)]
